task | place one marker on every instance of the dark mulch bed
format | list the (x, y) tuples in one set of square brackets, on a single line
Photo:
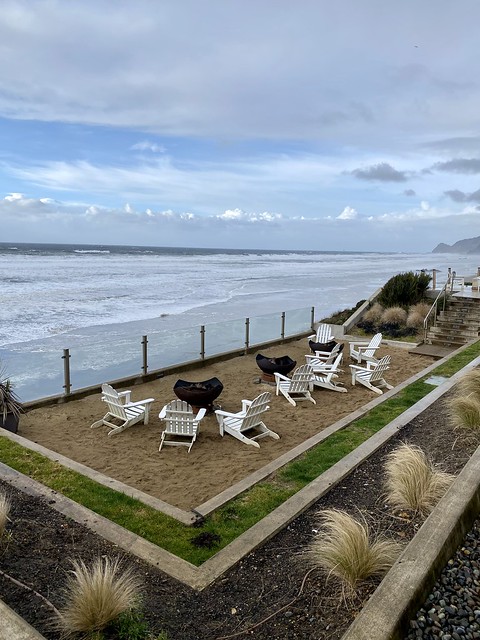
[(260, 597)]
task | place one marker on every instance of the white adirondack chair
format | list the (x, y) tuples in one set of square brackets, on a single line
[(323, 334), (248, 419), (325, 357), (122, 410), (298, 386), (324, 375), (366, 350), (371, 376), (180, 424)]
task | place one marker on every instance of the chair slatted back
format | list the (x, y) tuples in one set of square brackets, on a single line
[(115, 405), (373, 345), (179, 418), (255, 410), (300, 379), (380, 368), (323, 333)]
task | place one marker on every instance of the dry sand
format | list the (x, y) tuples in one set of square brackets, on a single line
[(188, 479)]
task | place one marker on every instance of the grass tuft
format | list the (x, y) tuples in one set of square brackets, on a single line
[(469, 384), (344, 548), (374, 314), (412, 480), (394, 315), (415, 320), (4, 511), (464, 413), (97, 595)]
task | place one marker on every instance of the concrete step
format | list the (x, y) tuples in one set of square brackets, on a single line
[(442, 342)]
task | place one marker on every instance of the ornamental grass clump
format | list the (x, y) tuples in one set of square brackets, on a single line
[(464, 413), (97, 595), (421, 307), (394, 315), (413, 481), (469, 385), (415, 320), (345, 549), (374, 314), (4, 511)]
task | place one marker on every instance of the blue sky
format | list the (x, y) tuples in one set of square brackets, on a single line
[(243, 124)]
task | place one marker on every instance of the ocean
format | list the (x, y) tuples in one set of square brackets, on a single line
[(98, 301)]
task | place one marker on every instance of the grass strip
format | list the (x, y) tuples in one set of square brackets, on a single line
[(242, 512)]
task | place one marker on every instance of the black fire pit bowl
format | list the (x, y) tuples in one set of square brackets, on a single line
[(198, 394), (322, 346), (270, 366)]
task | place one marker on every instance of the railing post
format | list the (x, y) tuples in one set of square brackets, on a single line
[(282, 332), (144, 355), (312, 319), (66, 371), (434, 279), (202, 342), (247, 334)]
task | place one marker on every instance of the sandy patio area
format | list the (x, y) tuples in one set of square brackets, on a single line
[(188, 479)]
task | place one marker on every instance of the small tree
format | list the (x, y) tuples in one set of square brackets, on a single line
[(404, 289)]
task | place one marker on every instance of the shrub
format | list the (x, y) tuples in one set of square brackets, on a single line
[(469, 384), (4, 511), (394, 315), (415, 320), (464, 413), (404, 289), (412, 480), (345, 549), (96, 596), (422, 308), (374, 314), (339, 317)]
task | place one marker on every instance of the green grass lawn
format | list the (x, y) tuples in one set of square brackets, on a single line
[(242, 512)]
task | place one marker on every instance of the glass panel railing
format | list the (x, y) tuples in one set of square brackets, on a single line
[(297, 321), (265, 328), (34, 374), (224, 336), (166, 348)]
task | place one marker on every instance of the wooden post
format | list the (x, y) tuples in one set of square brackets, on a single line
[(282, 332), (247, 334), (66, 371), (202, 342), (434, 279), (144, 355), (312, 319)]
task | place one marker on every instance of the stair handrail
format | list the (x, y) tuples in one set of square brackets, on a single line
[(433, 309)]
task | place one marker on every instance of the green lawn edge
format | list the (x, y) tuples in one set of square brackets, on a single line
[(245, 510)]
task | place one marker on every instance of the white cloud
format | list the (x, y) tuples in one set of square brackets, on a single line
[(348, 214), (146, 145)]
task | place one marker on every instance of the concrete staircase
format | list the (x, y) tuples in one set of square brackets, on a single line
[(457, 325)]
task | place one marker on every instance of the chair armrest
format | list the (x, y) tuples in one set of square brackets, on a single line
[(163, 412), (280, 376), (312, 337), (356, 366), (125, 394), (201, 413), (358, 345), (140, 403), (246, 404), (228, 414)]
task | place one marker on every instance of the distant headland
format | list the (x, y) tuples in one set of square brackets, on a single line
[(468, 246)]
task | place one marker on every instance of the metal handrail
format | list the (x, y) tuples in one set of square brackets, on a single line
[(433, 308)]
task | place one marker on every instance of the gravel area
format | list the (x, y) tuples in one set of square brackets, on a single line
[(452, 610)]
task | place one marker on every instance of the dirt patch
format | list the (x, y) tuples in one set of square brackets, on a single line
[(269, 594)]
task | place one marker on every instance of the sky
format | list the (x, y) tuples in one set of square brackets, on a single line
[(312, 124)]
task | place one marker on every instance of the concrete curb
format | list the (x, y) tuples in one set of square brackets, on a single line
[(410, 580), (15, 628)]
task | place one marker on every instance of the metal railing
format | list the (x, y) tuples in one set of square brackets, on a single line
[(431, 317)]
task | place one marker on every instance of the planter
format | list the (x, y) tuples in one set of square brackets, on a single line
[(10, 423)]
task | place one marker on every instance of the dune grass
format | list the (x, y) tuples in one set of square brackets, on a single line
[(242, 512)]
